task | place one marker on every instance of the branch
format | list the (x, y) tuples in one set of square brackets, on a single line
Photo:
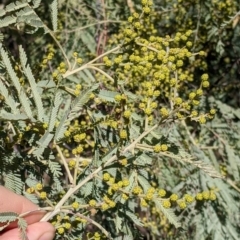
[(71, 72), (73, 189), (70, 177)]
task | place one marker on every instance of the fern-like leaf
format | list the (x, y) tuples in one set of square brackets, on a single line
[(54, 13), (13, 182), (63, 123), (43, 143), (55, 168), (8, 98), (21, 94), (31, 197), (8, 217), (26, 104), (2, 12), (109, 96), (28, 72), (133, 218), (79, 102), (233, 162), (144, 183), (12, 117), (15, 6), (57, 103), (22, 225), (1, 37), (7, 21), (169, 214), (36, 3), (26, 14), (88, 187), (10, 69)]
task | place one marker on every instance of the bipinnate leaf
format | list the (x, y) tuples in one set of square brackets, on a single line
[(22, 225), (54, 13), (35, 92), (169, 213)]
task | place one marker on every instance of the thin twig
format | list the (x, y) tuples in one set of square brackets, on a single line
[(36, 210), (148, 47), (71, 72), (102, 72), (188, 133), (76, 170), (90, 25), (61, 48), (70, 177), (231, 183), (131, 6), (197, 29), (104, 231), (146, 117)]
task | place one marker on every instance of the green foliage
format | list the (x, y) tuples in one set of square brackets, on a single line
[(126, 125), (7, 217)]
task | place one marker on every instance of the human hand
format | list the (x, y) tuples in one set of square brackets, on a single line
[(11, 202)]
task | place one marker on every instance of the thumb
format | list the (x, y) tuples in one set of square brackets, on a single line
[(41, 231), (35, 231)]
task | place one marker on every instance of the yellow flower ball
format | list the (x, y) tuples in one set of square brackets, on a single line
[(43, 195), (75, 205), (123, 134), (166, 203), (106, 176), (125, 182), (199, 196), (174, 197), (182, 204), (164, 147), (61, 230), (92, 203), (104, 206), (205, 84), (162, 193), (39, 187), (157, 148)]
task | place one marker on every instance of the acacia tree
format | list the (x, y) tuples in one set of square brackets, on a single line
[(120, 126)]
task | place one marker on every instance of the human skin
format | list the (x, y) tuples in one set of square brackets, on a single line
[(11, 202)]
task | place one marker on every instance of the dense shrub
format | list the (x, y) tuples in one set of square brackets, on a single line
[(122, 120)]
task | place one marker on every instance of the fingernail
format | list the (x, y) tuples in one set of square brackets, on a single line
[(47, 236)]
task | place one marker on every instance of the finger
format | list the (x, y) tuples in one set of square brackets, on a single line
[(11, 202), (36, 231)]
